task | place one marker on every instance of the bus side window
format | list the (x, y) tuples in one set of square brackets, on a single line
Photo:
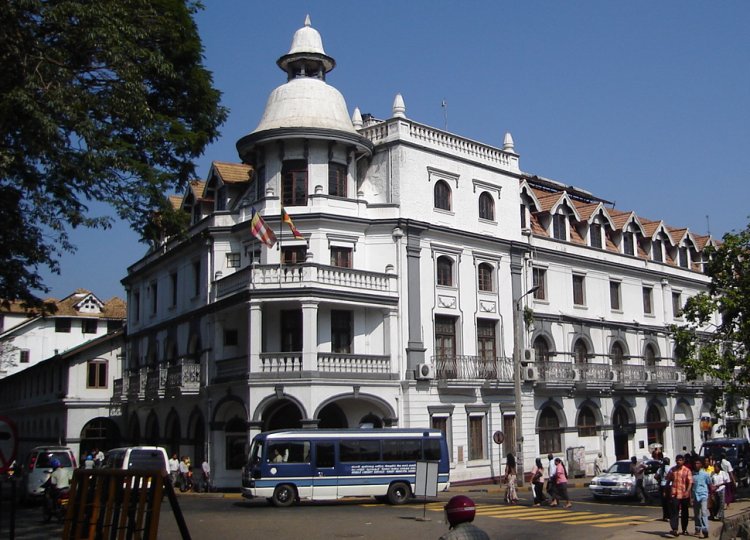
[(325, 454)]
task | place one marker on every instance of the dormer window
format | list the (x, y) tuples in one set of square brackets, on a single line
[(656, 251), (595, 235), (524, 220), (684, 257), (559, 226), (628, 243)]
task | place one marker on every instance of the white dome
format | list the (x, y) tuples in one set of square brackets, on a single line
[(305, 103), (307, 40)]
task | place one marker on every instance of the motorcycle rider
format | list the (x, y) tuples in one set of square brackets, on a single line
[(460, 512), (56, 485)]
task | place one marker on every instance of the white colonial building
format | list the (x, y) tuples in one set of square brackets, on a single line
[(60, 370), (426, 263)]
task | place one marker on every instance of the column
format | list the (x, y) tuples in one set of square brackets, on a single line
[(254, 333), (309, 335), (415, 348), (390, 338)]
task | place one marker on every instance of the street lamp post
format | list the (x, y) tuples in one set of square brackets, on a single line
[(517, 356)]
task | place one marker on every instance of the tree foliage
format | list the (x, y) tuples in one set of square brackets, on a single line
[(99, 101), (716, 337)]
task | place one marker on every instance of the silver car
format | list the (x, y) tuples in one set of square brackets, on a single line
[(618, 481)]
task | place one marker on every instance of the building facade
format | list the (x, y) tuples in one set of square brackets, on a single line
[(417, 278), (57, 388)]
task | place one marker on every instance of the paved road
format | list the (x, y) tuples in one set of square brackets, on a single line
[(217, 517)]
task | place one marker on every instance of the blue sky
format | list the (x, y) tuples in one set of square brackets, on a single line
[(642, 103)]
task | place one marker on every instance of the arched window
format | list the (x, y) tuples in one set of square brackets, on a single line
[(649, 356), (550, 434), (445, 271), (586, 422), (486, 206), (617, 354), (580, 352), (442, 195), (541, 349), (484, 272), (655, 425)]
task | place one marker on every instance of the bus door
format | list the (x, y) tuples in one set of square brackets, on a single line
[(325, 481)]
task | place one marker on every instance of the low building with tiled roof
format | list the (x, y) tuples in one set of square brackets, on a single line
[(29, 337)]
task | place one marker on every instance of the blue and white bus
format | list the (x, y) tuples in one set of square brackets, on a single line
[(325, 464)]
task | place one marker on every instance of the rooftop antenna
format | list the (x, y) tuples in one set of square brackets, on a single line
[(444, 105), (708, 226)]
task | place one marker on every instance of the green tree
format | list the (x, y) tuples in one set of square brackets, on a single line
[(716, 337), (99, 101)]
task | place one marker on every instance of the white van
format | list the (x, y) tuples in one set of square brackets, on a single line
[(137, 457), (36, 468)]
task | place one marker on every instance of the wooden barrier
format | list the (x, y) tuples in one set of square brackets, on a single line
[(119, 504)]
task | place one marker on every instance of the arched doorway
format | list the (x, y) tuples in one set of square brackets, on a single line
[(550, 432), (99, 433), (332, 417), (283, 414), (152, 429), (235, 436), (198, 437), (623, 429), (173, 433), (134, 430), (655, 425)]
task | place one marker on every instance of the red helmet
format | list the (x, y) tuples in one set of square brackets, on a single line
[(460, 509)]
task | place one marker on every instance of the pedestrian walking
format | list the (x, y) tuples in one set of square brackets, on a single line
[(511, 496), (537, 482), (719, 481), (682, 482), (638, 469), (700, 492), (174, 468), (551, 472), (561, 484), (598, 464), (729, 491), (206, 468)]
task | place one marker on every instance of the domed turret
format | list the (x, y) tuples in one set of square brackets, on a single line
[(305, 105)]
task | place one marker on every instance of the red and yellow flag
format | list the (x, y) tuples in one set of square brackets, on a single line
[(261, 231), (288, 220)]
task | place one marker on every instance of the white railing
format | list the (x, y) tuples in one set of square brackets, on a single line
[(460, 145), (280, 362), (353, 363), (302, 275), (184, 378)]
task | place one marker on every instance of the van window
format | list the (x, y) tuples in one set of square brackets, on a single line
[(289, 452), (325, 454), (402, 450), (361, 450), (146, 459), (44, 458), (432, 449)]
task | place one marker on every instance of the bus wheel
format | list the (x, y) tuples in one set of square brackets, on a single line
[(398, 493), (283, 495)]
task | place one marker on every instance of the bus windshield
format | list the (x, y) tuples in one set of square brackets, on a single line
[(256, 451)]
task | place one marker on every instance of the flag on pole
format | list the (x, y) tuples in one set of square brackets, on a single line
[(288, 220), (261, 231)]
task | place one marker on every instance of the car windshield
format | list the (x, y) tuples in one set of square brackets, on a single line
[(621, 467)]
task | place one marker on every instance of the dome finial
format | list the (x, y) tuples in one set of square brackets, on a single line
[(357, 119), (399, 109), (307, 20), (508, 145)]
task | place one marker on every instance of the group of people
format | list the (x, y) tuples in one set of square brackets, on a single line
[(93, 459), (555, 475), (181, 474), (706, 484)]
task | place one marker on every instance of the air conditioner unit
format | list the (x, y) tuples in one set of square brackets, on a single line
[(529, 356), (425, 372), (615, 375), (530, 373)]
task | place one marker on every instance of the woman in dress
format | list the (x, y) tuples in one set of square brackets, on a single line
[(511, 497)]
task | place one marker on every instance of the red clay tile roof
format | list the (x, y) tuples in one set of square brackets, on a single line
[(197, 187), (175, 201), (536, 227), (677, 234)]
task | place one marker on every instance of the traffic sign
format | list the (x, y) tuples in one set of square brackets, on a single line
[(8, 443), (498, 437)]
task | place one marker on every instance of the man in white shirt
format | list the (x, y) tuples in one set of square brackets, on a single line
[(174, 468), (551, 473)]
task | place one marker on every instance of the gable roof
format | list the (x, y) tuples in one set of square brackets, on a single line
[(232, 173)]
